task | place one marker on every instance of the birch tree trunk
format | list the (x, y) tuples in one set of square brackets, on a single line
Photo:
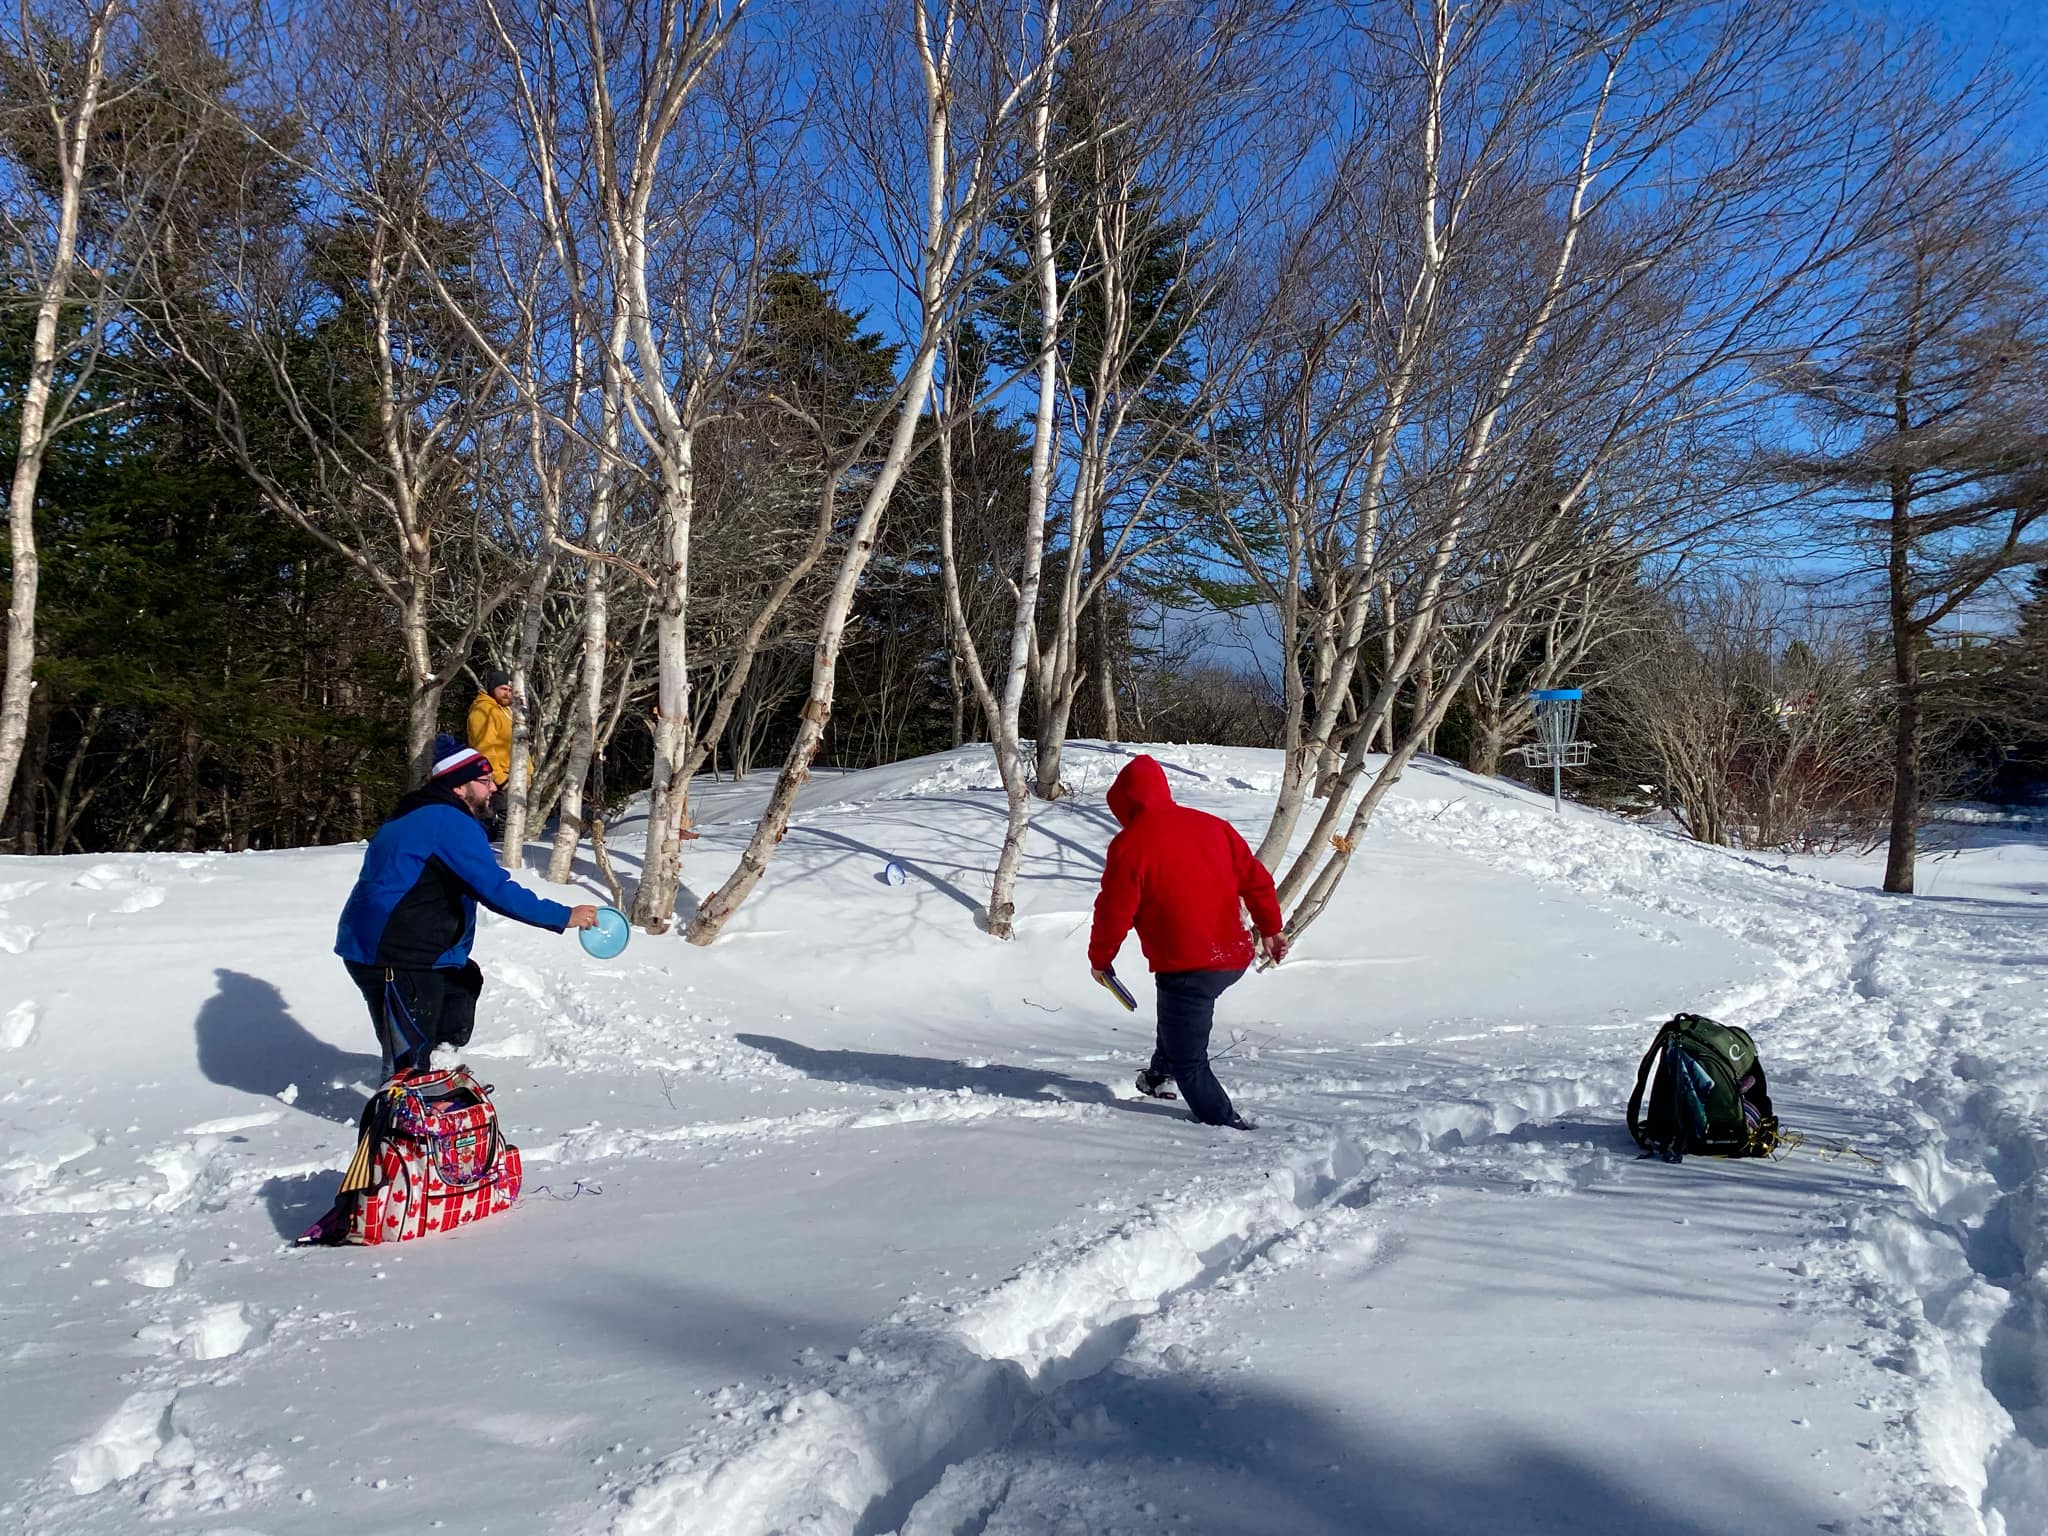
[(662, 872), (519, 780), (1415, 326), (1902, 847), (718, 908), (1144, 227), (570, 825), (1101, 665), (1006, 729), (1328, 852), (73, 133), (1575, 352), (671, 375)]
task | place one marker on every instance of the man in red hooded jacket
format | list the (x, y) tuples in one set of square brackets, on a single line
[(1179, 875)]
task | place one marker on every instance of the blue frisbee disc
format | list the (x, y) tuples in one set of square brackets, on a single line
[(609, 937), (892, 873)]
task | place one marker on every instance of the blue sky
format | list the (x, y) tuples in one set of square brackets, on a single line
[(2020, 27)]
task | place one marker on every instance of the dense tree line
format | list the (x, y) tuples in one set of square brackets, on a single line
[(761, 385)]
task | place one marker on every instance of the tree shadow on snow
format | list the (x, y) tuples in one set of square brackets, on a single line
[(1226, 1455), (915, 869), (248, 1039), (735, 1330), (881, 1069), (1258, 1462)]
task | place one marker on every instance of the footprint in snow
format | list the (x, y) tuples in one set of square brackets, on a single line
[(146, 1447), (518, 976), (125, 1444), (19, 1025), (157, 1271), (15, 938), (138, 893), (214, 1334)]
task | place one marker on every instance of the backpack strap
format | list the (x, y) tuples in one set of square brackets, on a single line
[(1635, 1100), (371, 1131)]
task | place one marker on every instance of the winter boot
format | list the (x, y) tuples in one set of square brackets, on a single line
[(1155, 1085)]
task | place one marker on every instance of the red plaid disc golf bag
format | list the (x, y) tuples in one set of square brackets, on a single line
[(430, 1157)]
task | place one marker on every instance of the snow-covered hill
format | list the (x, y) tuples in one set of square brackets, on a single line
[(851, 1224)]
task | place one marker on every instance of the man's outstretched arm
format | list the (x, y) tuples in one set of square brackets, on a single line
[(468, 853)]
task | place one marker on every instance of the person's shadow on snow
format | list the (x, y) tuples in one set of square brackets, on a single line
[(249, 1040), (295, 1201), (881, 1069)]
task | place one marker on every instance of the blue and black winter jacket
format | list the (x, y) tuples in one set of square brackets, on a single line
[(414, 905)]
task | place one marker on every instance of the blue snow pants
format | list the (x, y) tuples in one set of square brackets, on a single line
[(1187, 1013)]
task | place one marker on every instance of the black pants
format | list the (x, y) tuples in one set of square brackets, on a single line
[(1187, 1012), (494, 814), (414, 1011)]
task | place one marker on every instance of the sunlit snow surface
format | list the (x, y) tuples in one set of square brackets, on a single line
[(852, 1223)]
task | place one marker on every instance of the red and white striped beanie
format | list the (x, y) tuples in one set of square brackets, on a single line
[(456, 764)]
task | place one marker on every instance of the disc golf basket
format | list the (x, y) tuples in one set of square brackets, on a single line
[(1557, 746)]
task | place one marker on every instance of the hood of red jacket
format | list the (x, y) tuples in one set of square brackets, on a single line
[(1138, 788)]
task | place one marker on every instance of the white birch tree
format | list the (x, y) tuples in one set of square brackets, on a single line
[(643, 71), (1005, 721), (966, 96), (585, 742), (651, 135), (57, 84), (1551, 234), (1176, 139)]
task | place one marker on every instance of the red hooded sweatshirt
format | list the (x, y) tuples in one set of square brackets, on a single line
[(1179, 874)]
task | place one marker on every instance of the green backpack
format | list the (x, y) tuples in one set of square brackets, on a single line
[(1707, 1094)]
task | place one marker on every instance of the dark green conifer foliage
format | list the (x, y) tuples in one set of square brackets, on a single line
[(208, 676)]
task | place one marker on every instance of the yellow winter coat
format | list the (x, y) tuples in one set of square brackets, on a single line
[(490, 732)]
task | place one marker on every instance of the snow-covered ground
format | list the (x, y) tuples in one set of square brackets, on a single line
[(850, 1224)]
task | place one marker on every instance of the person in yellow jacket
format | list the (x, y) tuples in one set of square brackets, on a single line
[(490, 732)]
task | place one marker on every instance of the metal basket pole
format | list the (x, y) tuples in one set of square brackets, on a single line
[(1557, 725)]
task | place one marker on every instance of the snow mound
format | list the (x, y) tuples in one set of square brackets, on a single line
[(851, 1222)]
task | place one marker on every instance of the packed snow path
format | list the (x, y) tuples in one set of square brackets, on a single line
[(850, 1224)]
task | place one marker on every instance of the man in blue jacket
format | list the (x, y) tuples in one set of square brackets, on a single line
[(406, 931)]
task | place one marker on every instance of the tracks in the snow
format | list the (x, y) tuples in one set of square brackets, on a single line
[(856, 1450), (901, 1433), (1881, 995)]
